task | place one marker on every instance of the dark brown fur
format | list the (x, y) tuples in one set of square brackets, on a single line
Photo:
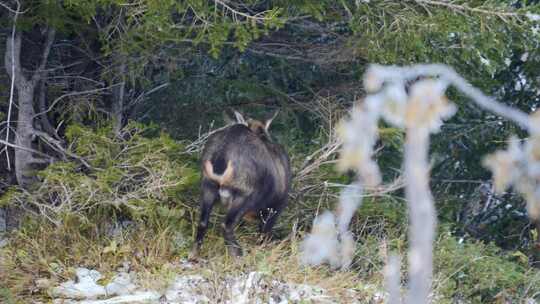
[(249, 173)]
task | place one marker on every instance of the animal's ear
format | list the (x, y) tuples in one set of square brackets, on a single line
[(228, 118), (268, 122), (232, 117), (240, 118)]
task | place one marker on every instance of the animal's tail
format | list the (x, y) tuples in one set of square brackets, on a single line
[(222, 179)]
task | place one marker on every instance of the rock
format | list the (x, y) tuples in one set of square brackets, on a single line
[(85, 287), (256, 288), (121, 284), (245, 289), (187, 289), (43, 283), (253, 287), (139, 297)]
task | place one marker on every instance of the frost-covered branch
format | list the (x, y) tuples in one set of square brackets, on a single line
[(420, 111), (392, 276), (377, 75)]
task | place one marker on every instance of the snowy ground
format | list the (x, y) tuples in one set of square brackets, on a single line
[(252, 287)]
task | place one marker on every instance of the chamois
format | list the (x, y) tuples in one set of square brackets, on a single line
[(250, 173)]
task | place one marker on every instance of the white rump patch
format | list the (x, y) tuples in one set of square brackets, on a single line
[(224, 193)]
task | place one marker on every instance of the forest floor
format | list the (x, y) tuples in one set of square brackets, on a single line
[(133, 263), (145, 268)]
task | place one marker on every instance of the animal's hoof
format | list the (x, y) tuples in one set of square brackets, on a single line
[(193, 255), (265, 239)]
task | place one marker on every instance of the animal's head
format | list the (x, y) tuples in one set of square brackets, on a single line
[(258, 127)]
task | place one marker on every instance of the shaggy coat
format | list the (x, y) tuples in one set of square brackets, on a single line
[(249, 173)]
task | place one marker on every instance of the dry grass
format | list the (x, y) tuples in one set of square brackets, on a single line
[(39, 252)]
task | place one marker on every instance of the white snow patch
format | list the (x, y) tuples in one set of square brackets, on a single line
[(257, 288), (186, 289), (253, 287), (533, 17), (535, 29), (139, 297), (521, 82), (85, 287), (485, 61), (121, 284)]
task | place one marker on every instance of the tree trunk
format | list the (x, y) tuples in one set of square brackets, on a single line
[(119, 93), (43, 117), (25, 132), (25, 95), (24, 136)]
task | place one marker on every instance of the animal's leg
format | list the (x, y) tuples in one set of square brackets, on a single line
[(208, 197), (238, 209)]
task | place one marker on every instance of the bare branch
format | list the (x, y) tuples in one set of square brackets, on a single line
[(503, 15), (7, 143), (234, 12), (197, 145), (10, 48), (57, 145), (51, 32), (58, 99), (13, 11), (141, 96)]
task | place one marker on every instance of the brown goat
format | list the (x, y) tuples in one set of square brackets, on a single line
[(249, 173)]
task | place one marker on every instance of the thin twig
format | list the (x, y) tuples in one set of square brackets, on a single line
[(12, 86), (56, 145), (462, 8), (235, 12), (15, 12), (7, 143), (92, 91)]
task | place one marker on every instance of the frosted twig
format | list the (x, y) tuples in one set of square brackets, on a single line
[(421, 213), (392, 279), (395, 73), (420, 112)]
